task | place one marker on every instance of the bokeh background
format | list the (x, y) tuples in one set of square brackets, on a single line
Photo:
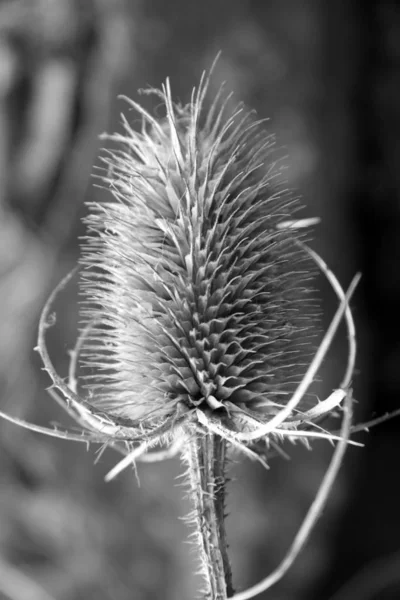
[(327, 74)]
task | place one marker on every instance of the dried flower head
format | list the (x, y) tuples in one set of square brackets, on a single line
[(195, 293), (196, 282), (196, 286)]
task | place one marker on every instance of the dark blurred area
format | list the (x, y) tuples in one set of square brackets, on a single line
[(328, 77)]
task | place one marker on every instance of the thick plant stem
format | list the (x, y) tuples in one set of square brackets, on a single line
[(205, 455)]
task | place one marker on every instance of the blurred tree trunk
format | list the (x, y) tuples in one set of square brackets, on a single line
[(369, 34)]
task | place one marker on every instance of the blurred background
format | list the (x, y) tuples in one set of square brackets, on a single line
[(327, 74)]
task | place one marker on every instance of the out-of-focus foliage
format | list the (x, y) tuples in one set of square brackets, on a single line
[(326, 75)]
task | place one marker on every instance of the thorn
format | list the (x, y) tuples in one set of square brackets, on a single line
[(298, 223), (51, 320)]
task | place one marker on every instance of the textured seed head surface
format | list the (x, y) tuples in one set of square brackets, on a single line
[(197, 298)]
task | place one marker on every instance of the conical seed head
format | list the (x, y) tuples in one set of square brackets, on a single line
[(196, 297)]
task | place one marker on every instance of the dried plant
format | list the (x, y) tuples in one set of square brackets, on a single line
[(195, 281)]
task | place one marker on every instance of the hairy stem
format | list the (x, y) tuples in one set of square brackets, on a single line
[(205, 455)]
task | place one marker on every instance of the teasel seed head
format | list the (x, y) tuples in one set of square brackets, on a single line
[(197, 296), (197, 314)]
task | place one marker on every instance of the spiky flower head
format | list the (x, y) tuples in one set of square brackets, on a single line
[(196, 298), (194, 290)]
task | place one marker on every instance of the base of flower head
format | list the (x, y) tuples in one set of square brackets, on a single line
[(240, 427)]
